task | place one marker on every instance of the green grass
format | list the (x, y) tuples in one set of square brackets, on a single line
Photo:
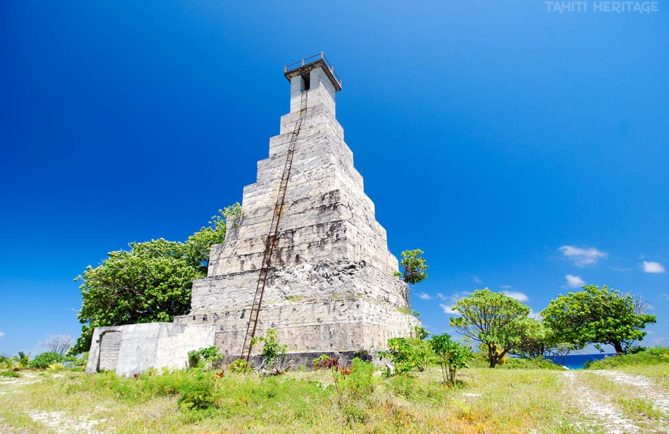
[(517, 363), (500, 400), (650, 356)]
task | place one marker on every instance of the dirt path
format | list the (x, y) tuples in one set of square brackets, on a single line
[(57, 421), (598, 407), (643, 387)]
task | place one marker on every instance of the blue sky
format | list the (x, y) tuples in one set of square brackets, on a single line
[(515, 145)]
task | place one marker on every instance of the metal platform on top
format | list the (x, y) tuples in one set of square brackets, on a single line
[(305, 65)]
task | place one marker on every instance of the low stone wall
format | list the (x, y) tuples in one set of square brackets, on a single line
[(135, 348)]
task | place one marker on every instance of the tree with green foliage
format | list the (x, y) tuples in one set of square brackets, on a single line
[(150, 282), (414, 266), (534, 339), (451, 356), (599, 316), (492, 318)]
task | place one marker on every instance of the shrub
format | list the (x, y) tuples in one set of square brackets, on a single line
[(9, 374), (239, 366), (408, 354), (197, 394), (271, 348), (358, 382), (451, 356), (6, 362), (42, 361), (22, 360), (204, 358)]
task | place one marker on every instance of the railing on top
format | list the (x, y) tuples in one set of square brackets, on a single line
[(311, 59)]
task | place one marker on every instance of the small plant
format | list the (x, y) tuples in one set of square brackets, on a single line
[(9, 374), (204, 358), (451, 356), (44, 360), (271, 348), (239, 366), (323, 361), (22, 360)]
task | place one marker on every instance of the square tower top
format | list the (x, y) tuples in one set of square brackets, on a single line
[(316, 76), (303, 67)]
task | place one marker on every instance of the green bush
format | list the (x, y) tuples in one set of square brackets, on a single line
[(204, 358), (42, 361), (239, 366), (360, 382), (197, 394), (650, 356), (9, 374), (408, 354)]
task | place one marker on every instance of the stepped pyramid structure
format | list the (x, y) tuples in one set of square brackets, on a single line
[(306, 256)]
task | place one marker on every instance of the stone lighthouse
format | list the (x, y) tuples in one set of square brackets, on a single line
[(305, 257)]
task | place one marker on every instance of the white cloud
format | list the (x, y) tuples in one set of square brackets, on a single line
[(506, 287), (665, 295), (516, 295), (535, 315), (582, 256), (652, 267), (574, 281), (477, 280), (424, 296), (448, 310), (2, 334), (450, 300)]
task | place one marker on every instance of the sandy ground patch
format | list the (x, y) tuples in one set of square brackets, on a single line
[(597, 406), (643, 387), (62, 423)]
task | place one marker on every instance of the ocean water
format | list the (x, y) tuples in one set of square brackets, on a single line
[(577, 361)]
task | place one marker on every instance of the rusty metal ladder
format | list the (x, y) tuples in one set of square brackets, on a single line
[(272, 236)]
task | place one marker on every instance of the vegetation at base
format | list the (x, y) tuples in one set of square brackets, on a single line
[(197, 401), (600, 316), (648, 356), (149, 282)]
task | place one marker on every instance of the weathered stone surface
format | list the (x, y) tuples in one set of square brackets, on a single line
[(332, 286), (134, 348)]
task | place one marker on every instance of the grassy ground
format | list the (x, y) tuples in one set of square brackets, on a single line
[(491, 401)]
